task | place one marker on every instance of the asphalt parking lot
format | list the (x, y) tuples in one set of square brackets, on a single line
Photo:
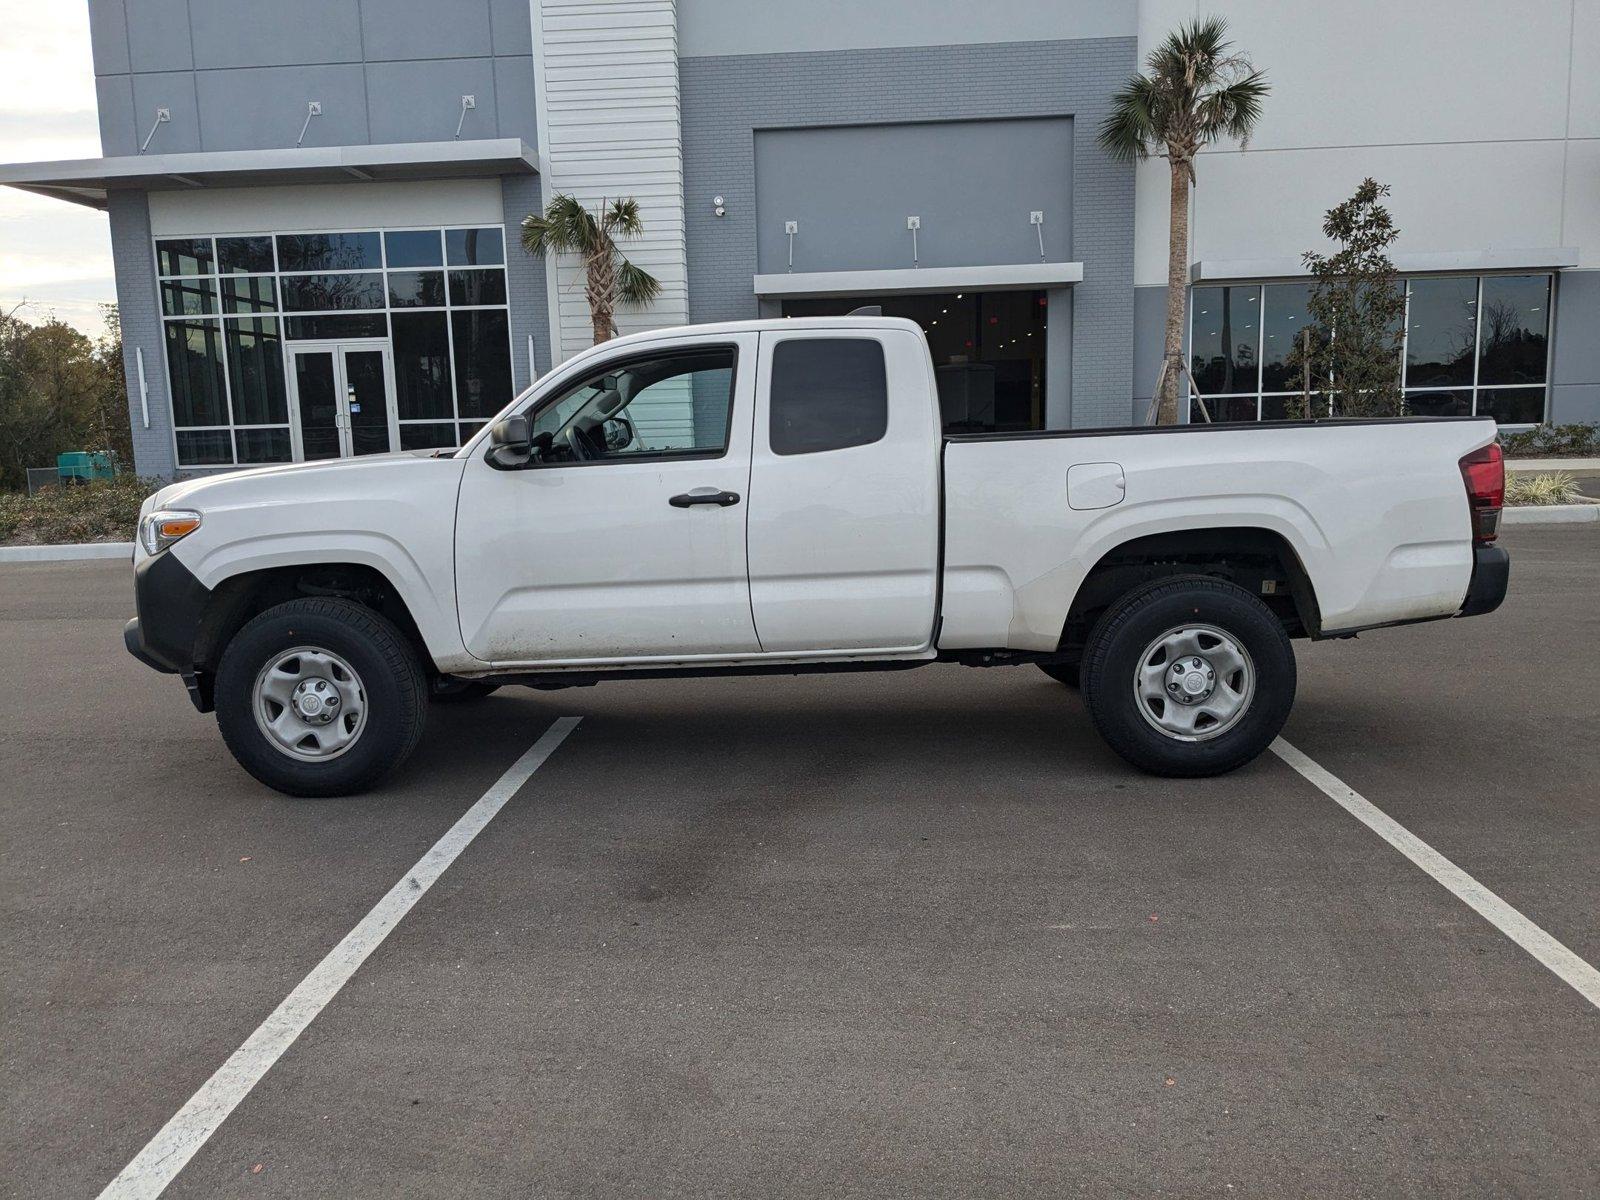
[(897, 935)]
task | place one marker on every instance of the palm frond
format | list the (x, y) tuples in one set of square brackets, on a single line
[(1130, 129), (623, 216), (565, 227), (635, 285)]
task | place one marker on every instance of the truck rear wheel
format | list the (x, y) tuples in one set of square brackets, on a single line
[(320, 697), (1188, 677)]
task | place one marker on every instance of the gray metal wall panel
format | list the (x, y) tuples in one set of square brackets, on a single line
[(726, 98), (248, 33), (421, 101), (1575, 404), (129, 214), (525, 280), (394, 30), (158, 35), (172, 90), (248, 109), (108, 36), (971, 183), (114, 98), (718, 27), (1058, 359), (514, 98), (1575, 358), (511, 27), (1576, 355)]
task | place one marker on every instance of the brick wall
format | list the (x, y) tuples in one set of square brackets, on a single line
[(526, 289)]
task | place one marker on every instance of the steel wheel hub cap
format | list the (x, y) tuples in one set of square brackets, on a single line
[(1194, 682), (309, 704)]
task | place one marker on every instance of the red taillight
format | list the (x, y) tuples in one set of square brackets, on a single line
[(1484, 473)]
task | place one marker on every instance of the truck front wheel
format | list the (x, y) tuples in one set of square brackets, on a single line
[(320, 697), (1188, 677)]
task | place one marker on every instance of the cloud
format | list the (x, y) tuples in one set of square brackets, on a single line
[(55, 255)]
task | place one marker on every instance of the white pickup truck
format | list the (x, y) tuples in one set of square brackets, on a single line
[(777, 496)]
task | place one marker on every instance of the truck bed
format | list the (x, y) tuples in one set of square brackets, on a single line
[(1373, 510)]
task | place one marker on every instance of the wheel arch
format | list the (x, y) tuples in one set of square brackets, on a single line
[(1260, 560), (239, 598)]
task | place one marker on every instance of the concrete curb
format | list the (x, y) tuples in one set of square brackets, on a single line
[(1550, 514), (71, 553), (1547, 466)]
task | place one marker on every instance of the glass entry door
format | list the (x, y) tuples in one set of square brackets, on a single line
[(343, 401)]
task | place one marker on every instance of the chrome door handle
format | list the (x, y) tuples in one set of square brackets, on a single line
[(720, 499)]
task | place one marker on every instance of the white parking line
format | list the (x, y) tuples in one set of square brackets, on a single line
[(158, 1164), (1566, 965)]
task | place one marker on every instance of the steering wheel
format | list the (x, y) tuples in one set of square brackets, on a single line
[(578, 444)]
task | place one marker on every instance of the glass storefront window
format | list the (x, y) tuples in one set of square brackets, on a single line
[(474, 247), (1512, 344), (1471, 345), (1441, 326), (413, 248), (245, 256), (1282, 324), (421, 365), (329, 252), (1226, 339), (482, 343), (233, 306)]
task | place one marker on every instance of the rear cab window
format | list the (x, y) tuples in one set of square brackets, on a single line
[(827, 394)]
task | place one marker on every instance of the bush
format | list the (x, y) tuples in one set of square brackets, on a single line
[(1552, 441), (1555, 488), (100, 510)]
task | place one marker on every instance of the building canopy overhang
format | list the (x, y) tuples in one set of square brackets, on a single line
[(912, 281), (89, 181)]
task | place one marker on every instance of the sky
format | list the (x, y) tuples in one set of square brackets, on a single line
[(53, 255)]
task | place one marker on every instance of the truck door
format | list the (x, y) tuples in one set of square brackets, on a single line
[(626, 538), (844, 491)]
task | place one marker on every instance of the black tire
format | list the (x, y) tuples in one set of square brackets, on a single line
[(1134, 622), (1062, 672), (392, 681), (460, 691)]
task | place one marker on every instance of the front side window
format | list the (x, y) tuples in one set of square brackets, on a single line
[(827, 394), (675, 404)]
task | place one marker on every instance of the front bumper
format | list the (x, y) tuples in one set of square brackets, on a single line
[(1491, 575), (171, 604)]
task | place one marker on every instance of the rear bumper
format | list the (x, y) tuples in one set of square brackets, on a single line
[(171, 603), (1491, 575)]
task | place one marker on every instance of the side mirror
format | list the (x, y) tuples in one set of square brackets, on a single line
[(511, 443), (619, 433)]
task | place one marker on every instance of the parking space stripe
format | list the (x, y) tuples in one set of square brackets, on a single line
[(158, 1164), (1566, 965)]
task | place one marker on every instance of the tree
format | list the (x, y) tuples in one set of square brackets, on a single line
[(1357, 314), (59, 391), (1196, 92), (567, 227)]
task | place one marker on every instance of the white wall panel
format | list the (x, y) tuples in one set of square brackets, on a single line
[(327, 206), (1377, 72), (1483, 196), (1581, 210), (1461, 106), (1584, 110), (609, 127)]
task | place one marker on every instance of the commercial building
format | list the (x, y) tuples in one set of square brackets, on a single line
[(315, 204)]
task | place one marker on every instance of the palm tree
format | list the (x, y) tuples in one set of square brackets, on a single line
[(567, 227), (1196, 92)]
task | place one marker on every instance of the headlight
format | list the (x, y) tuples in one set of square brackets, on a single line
[(165, 526)]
